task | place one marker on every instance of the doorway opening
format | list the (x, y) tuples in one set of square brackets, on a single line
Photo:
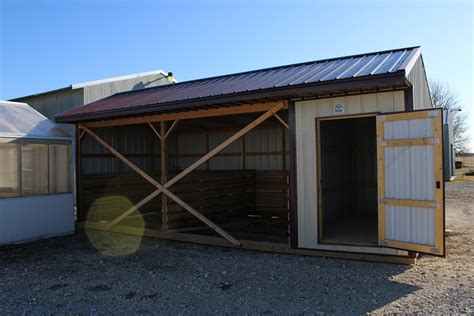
[(347, 164)]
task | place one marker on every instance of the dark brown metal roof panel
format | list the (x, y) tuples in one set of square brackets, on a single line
[(323, 71)]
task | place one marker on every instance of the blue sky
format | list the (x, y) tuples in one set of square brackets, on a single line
[(46, 45)]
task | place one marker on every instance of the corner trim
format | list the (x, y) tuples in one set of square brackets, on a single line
[(293, 214), (409, 99)]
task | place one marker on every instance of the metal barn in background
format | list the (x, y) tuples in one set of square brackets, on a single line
[(36, 199), (340, 157), (54, 102)]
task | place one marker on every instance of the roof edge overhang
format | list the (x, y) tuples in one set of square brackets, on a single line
[(395, 80)]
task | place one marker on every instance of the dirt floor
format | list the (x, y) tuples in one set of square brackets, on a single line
[(70, 275)]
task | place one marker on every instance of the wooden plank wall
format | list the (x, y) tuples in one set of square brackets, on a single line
[(219, 195), (271, 193), (105, 196)]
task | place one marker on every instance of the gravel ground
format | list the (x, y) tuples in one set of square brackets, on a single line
[(69, 275)]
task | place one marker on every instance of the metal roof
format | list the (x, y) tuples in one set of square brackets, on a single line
[(220, 88), (19, 120)]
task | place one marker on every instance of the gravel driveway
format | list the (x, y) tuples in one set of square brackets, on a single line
[(68, 275)]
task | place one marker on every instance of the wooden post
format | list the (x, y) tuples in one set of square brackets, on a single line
[(283, 147), (243, 153), (207, 147), (164, 175)]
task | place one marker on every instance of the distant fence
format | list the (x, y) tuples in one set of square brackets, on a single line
[(467, 160)]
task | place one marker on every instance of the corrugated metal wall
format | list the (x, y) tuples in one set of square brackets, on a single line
[(51, 104), (421, 91), (33, 217), (263, 149), (306, 113), (99, 91), (137, 143)]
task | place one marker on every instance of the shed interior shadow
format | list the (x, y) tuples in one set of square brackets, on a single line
[(348, 164)]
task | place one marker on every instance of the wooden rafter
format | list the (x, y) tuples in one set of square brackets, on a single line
[(160, 188), (154, 130), (187, 115), (170, 129), (81, 135), (281, 120)]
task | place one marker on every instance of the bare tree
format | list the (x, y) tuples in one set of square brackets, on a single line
[(444, 97)]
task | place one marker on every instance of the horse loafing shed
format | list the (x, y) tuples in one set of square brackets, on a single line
[(339, 158)]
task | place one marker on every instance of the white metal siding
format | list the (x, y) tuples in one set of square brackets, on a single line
[(421, 91), (409, 129), (306, 113), (27, 218), (51, 104), (404, 223), (409, 173)]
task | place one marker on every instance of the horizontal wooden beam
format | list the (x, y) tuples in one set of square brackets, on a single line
[(187, 115), (409, 142), (415, 115), (409, 246), (410, 203), (251, 244)]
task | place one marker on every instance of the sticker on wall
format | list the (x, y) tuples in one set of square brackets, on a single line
[(338, 109)]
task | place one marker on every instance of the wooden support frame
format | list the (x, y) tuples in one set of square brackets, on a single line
[(164, 188), (161, 188), (222, 111)]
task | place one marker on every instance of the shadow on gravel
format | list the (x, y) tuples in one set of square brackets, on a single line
[(67, 275)]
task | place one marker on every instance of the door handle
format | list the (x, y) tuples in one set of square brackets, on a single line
[(438, 184)]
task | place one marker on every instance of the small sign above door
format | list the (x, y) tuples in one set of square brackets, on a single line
[(338, 109)]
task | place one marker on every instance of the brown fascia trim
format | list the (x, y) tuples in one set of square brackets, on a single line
[(392, 79)]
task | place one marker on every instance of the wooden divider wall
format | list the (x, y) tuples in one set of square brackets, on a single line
[(222, 196)]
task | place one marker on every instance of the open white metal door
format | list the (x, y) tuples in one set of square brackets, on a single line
[(410, 181)]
